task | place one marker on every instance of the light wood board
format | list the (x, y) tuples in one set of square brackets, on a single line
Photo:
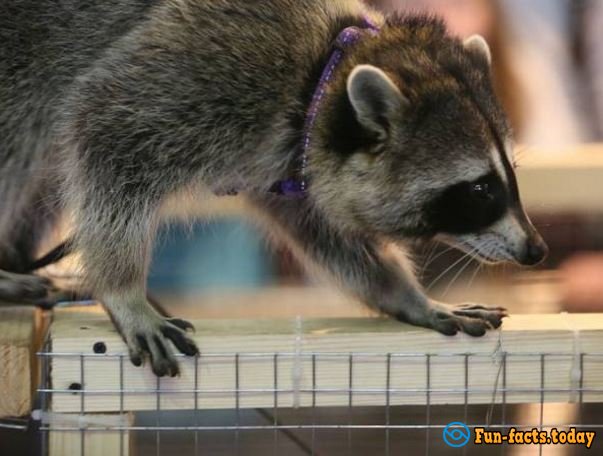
[(17, 359), (415, 378)]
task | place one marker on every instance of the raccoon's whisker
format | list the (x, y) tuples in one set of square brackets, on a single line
[(448, 269), (438, 255), (470, 259), (490, 249), (428, 252), (474, 275)]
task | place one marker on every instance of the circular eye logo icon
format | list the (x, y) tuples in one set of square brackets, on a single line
[(456, 434)]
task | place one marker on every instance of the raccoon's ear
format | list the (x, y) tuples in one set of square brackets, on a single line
[(375, 99), (478, 44)]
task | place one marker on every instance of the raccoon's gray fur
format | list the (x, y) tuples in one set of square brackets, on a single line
[(110, 107)]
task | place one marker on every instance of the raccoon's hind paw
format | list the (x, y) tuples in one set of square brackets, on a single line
[(151, 340), (23, 287)]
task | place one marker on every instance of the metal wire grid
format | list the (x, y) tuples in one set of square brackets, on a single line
[(499, 392), (15, 424)]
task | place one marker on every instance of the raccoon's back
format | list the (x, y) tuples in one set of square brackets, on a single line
[(44, 46), (223, 70)]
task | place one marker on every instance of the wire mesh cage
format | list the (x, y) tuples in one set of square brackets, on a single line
[(331, 402)]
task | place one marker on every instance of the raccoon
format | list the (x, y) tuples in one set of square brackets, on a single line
[(108, 109)]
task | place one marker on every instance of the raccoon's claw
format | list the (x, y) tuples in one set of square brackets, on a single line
[(493, 315), (182, 324), (153, 343), (162, 360), (179, 339)]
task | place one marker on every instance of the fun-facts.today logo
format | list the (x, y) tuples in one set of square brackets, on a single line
[(456, 434)]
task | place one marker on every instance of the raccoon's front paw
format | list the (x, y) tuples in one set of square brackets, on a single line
[(471, 319), (149, 338)]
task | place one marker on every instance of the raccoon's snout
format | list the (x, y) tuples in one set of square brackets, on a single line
[(535, 251), (512, 239)]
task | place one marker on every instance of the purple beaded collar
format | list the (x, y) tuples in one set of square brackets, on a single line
[(296, 187)]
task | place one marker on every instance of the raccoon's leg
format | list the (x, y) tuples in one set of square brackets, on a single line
[(360, 266), (114, 237)]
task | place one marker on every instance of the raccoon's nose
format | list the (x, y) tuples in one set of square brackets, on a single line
[(535, 252)]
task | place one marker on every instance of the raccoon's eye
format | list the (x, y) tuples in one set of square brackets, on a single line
[(469, 206), (481, 190)]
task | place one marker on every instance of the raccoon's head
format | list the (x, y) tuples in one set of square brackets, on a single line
[(414, 144)]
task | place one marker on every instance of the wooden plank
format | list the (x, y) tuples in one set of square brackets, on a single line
[(422, 360), (18, 371)]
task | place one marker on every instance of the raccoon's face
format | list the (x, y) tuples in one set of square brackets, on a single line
[(436, 167), (484, 217)]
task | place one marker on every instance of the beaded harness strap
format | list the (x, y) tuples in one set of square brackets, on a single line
[(296, 187)]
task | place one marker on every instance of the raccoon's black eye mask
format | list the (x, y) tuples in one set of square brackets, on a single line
[(469, 206)]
